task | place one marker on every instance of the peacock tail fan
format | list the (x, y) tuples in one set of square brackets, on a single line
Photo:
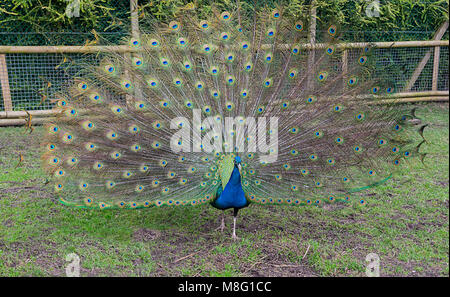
[(159, 124)]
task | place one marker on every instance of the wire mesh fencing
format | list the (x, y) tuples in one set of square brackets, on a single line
[(25, 77), (397, 65), (29, 75)]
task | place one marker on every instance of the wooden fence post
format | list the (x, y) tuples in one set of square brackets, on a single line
[(434, 84), (134, 18), (4, 82), (312, 41), (425, 59), (344, 67)]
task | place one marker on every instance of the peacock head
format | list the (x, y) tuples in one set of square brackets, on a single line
[(237, 163)]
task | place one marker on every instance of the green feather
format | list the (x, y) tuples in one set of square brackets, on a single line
[(332, 139), (226, 166)]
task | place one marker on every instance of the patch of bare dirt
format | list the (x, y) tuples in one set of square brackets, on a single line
[(145, 235), (41, 253)]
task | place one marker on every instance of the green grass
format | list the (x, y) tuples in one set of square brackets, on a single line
[(405, 222)]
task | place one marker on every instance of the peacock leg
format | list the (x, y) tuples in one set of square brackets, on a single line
[(234, 223), (222, 225)]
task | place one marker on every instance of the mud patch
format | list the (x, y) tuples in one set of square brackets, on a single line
[(144, 235)]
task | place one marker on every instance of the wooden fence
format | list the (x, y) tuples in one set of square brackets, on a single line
[(9, 116)]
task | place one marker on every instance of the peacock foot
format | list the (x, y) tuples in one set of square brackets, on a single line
[(222, 224), (221, 227)]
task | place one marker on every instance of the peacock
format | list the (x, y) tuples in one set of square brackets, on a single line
[(229, 107)]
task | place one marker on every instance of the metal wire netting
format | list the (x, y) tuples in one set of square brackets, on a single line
[(29, 74), (443, 69), (397, 66)]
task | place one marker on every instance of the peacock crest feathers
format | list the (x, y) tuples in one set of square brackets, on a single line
[(113, 144)]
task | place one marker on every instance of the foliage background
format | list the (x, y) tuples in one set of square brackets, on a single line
[(20, 20)]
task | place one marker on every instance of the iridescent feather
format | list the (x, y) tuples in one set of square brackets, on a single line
[(112, 145)]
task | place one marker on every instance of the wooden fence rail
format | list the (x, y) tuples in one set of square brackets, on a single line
[(75, 49)]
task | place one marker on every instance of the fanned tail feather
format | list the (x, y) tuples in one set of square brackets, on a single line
[(112, 145)]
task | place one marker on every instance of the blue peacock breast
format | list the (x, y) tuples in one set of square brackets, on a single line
[(233, 195)]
